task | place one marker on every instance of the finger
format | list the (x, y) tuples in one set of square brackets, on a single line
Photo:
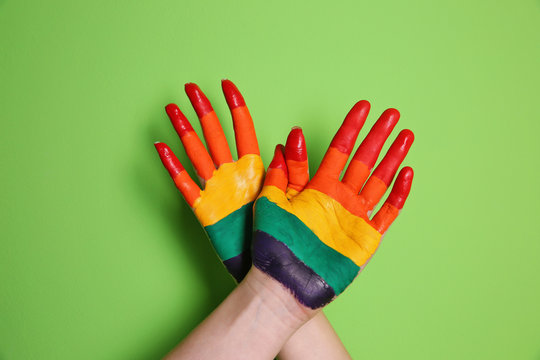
[(202, 162), (365, 157), (181, 178), (213, 133), (384, 173), (393, 205), (277, 170), (297, 161), (343, 142), (244, 131)]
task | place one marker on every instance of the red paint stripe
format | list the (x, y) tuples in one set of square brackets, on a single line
[(295, 148), (200, 102), (170, 161), (394, 157), (401, 188), (348, 132), (278, 162), (178, 119), (232, 94), (370, 148)]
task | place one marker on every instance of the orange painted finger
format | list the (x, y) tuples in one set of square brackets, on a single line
[(277, 170), (202, 162), (366, 156), (393, 205), (181, 178), (343, 142), (384, 173), (212, 130), (244, 131), (297, 160)]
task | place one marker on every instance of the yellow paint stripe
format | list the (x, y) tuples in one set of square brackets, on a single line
[(334, 225), (231, 186)]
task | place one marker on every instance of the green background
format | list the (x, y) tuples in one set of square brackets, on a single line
[(101, 259)]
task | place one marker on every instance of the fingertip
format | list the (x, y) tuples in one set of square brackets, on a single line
[(406, 174), (191, 87), (409, 135), (392, 113), (362, 106), (295, 148), (402, 188), (161, 148), (172, 110), (232, 95), (199, 101), (405, 138), (278, 161), (169, 160), (178, 119)]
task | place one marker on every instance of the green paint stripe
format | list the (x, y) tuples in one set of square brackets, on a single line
[(335, 268), (232, 234)]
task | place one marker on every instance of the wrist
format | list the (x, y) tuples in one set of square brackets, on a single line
[(276, 299)]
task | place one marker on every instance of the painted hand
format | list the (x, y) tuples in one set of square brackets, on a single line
[(224, 207), (315, 237)]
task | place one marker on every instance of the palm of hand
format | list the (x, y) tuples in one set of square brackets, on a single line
[(316, 242)]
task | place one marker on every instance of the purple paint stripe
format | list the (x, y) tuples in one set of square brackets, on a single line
[(239, 265), (277, 260)]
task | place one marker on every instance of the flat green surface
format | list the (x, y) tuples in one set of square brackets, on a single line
[(101, 259), (333, 267)]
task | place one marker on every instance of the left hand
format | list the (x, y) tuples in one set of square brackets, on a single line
[(224, 205)]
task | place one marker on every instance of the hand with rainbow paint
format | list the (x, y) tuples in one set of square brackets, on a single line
[(224, 205), (314, 237)]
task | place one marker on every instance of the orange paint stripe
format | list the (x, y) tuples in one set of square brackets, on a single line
[(385, 217), (340, 193), (332, 163), (244, 132), (215, 139), (187, 187), (276, 177), (202, 162), (298, 174), (356, 175), (373, 192)]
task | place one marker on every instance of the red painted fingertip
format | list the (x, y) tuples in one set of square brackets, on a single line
[(199, 101), (295, 148), (404, 140), (370, 148), (348, 132), (278, 162), (178, 119), (401, 188), (394, 157), (232, 94), (169, 160)]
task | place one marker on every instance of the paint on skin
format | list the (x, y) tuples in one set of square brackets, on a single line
[(230, 235), (336, 269), (232, 186), (181, 178), (275, 259), (239, 265), (212, 130), (326, 227), (202, 162), (334, 225), (348, 132), (367, 153)]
